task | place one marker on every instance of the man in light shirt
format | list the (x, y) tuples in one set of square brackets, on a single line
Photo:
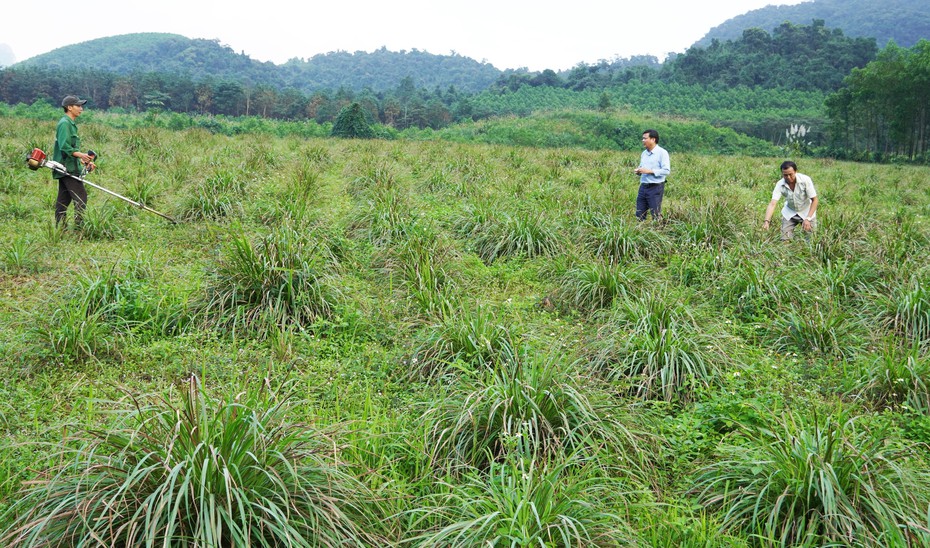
[(800, 202), (654, 166)]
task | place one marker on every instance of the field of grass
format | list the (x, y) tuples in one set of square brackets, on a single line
[(370, 343)]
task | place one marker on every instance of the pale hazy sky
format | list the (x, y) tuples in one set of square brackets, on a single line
[(508, 34)]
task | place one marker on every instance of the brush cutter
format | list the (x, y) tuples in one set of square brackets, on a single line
[(38, 159)]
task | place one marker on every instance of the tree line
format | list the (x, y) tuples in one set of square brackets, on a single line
[(863, 104), (790, 50), (882, 111), (795, 57), (402, 107)]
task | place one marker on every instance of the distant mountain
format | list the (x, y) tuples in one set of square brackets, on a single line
[(904, 21), (157, 52), (383, 69), (208, 59)]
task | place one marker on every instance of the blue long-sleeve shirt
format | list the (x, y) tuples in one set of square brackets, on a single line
[(658, 161)]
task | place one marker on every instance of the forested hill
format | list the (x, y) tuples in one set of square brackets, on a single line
[(158, 52), (201, 59), (904, 21), (382, 69)]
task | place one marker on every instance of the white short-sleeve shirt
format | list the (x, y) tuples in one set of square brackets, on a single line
[(797, 202)]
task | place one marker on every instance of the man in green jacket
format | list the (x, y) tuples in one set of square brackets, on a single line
[(68, 153)]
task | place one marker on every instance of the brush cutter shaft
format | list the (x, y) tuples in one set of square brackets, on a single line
[(55, 166)]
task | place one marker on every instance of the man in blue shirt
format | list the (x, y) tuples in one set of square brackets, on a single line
[(654, 166)]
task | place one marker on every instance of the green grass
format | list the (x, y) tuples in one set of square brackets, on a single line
[(654, 349), (823, 481), (208, 473), (525, 502), (525, 400), (282, 279), (481, 343)]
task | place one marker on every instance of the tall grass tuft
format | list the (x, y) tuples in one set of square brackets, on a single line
[(523, 234), (420, 261), (819, 481), (205, 473), (20, 256), (216, 197), (753, 290), (850, 279), (908, 312), (117, 293), (528, 398), (100, 223), (712, 225), (384, 217), (651, 345), (260, 159), (15, 207), (674, 526), (143, 190), (591, 286), (282, 279), (897, 378), (905, 239), (138, 140), (76, 332), (825, 330), (305, 184), (614, 239), (526, 500), (472, 336), (475, 219)]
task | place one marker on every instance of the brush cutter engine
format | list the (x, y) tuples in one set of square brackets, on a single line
[(36, 159)]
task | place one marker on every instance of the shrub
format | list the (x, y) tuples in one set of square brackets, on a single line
[(233, 473), (352, 122), (821, 481)]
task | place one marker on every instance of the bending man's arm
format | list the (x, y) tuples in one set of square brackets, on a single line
[(769, 211)]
